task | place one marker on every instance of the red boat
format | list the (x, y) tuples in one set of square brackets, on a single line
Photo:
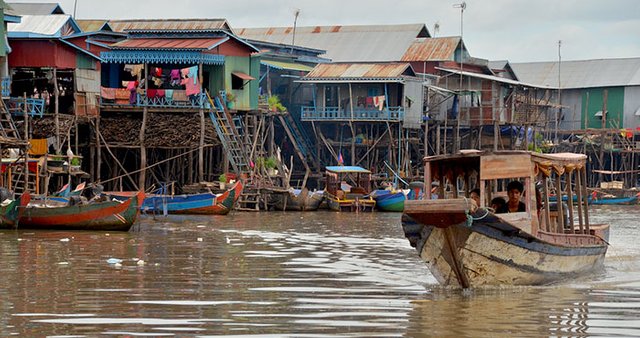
[(110, 215)]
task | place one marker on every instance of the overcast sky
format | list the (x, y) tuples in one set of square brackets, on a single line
[(516, 30)]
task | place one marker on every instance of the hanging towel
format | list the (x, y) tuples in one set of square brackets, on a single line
[(179, 95), (192, 87), (160, 93), (38, 146), (169, 94), (151, 93), (378, 101), (175, 74), (193, 73)]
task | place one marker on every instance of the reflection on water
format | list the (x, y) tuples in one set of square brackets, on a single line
[(279, 274)]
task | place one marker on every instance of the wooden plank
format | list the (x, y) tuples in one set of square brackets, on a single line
[(505, 166)]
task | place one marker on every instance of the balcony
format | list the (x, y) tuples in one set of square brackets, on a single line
[(121, 98), (389, 114), (34, 107)]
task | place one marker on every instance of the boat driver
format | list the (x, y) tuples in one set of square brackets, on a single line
[(514, 191)]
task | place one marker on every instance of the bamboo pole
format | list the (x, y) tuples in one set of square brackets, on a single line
[(143, 149), (202, 132), (570, 199), (560, 227), (579, 197)]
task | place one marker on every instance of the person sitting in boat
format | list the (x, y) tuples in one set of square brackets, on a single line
[(475, 195), (498, 203), (514, 191)]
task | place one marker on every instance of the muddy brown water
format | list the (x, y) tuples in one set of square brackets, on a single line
[(314, 274)]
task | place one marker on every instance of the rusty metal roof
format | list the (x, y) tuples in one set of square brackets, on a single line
[(432, 49), (169, 43), (375, 43), (170, 24), (93, 25), (391, 70)]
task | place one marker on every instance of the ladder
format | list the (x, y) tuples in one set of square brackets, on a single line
[(7, 127), (18, 181), (300, 138), (229, 130)]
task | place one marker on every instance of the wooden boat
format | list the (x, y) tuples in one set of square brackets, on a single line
[(110, 215), (203, 203), (389, 200), (610, 199), (298, 200), (9, 211), (344, 197), (468, 245)]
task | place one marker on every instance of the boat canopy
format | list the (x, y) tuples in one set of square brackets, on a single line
[(347, 169)]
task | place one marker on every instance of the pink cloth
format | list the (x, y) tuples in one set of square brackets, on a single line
[(190, 87)]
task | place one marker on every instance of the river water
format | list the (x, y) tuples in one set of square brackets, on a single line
[(314, 274)]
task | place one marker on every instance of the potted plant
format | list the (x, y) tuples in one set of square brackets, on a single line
[(231, 99), (275, 105), (223, 181), (271, 163), (75, 164)]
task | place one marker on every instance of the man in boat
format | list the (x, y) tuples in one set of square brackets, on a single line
[(475, 195), (498, 203), (514, 191)]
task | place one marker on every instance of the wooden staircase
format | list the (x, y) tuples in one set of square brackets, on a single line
[(7, 127)]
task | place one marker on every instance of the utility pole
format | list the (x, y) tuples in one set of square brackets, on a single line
[(559, 110), (456, 145)]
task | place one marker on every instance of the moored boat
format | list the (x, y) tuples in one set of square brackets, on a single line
[(9, 210), (468, 245), (352, 196), (203, 203), (298, 200), (389, 200), (110, 215)]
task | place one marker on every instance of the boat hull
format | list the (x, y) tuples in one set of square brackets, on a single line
[(490, 251), (351, 205), (393, 201), (108, 215), (303, 201), (193, 204)]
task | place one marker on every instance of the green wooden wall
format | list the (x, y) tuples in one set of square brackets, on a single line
[(615, 106)]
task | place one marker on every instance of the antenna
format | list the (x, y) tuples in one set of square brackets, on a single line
[(296, 13), (436, 28)]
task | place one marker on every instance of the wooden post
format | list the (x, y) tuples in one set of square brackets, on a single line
[(570, 198), (559, 204), (201, 144), (585, 199), (143, 149), (605, 95), (25, 115), (56, 105), (547, 209), (98, 150), (579, 197)]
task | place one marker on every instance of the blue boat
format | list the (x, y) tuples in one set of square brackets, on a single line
[(388, 200), (615, 200)]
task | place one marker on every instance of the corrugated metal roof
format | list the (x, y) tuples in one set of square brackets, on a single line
[(581, 74), (173, 24), (492, 78), (359, 70), (286, 65), (39, 26), (173, 43), (375, 43), (92, 25), (37, 8), (432, 49)]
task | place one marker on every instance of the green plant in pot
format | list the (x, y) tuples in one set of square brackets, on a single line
[(271, 163), (223, 180), (231, 99), (275, 105)]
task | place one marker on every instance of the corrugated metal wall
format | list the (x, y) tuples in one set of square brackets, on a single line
[(631, 106)]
